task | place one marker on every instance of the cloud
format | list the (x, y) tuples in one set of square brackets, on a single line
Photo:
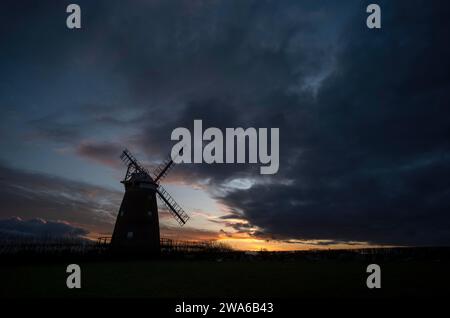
[(188, 234), (363, 114), (35, 228), (104, 153), (52, 128), (33, 195), (79, 208), (369, 154), (358, 150)]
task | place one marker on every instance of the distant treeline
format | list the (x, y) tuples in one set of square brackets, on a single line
[(18, 240), (48, 247)]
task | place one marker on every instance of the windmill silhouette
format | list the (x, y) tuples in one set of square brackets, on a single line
[(137, 224)]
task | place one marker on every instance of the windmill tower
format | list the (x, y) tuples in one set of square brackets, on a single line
[(137, 224)]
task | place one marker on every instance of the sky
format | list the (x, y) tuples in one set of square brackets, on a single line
[(363, 115)]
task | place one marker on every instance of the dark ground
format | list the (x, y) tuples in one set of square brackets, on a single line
[(296, 278)]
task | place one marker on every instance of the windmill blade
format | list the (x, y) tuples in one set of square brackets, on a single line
[(162, 170), (131, 161), (174, 208)]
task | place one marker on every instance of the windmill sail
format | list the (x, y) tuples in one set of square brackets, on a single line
[(133, 165), (162, 170), (174, 208)]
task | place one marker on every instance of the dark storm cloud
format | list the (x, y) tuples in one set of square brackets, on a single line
[(16, 227), (363, 114), (371, 161), (35, 195), (366, 149), (231, 64)]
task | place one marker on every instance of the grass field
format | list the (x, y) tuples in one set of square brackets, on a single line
[(189, 278)]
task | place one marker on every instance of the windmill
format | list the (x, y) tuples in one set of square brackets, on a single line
[(137, 224)]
